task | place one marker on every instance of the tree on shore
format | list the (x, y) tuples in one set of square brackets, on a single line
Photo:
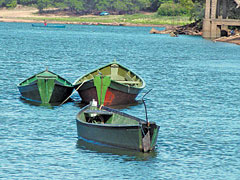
[(41, 4), (8, 3)]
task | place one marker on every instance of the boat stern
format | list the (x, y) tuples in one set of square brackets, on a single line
[(149, 136)]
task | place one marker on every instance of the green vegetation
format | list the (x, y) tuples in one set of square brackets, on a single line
[(152, 18), (8, 3), (170, 8)]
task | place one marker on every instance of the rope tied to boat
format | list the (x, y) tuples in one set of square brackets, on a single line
[(73, 92)]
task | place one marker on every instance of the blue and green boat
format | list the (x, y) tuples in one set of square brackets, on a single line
[(48, 26)]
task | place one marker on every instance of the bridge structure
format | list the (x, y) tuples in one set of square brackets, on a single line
[(216, 22)]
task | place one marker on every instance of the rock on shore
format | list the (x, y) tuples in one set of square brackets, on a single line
[(231, 39)]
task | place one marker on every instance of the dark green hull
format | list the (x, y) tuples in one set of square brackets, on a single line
[(126, 132), (45, 87)]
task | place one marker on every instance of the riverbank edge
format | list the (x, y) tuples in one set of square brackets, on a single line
[(231, 39), (20, 20)]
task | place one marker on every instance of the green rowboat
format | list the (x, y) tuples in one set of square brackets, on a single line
[(45, 87), (110, 127), (111, 85)]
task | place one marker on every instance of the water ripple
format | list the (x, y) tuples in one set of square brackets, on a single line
[(195, 98)]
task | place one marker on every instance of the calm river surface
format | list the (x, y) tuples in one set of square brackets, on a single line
[(195, 98)]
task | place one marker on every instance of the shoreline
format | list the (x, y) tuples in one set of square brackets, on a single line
[(28, 15), (235, 39), (19, 20)]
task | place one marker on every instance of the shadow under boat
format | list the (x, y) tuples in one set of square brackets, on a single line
[(35, 103), (96, 147)]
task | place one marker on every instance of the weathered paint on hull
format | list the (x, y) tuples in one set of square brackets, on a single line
[(113, 97), (123, 137), (116, 94)]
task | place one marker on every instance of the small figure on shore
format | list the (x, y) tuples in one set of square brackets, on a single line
[(45, 22)]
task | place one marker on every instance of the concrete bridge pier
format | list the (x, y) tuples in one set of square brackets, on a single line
[(216, 22), (211, 29)]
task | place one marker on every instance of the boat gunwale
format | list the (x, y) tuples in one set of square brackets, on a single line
[(143, 82), (57, 76), (140, 121), (112, 81), (118, 126)]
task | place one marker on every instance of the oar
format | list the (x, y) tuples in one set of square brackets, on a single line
[(145, 105), (72, 93), (146, 138)]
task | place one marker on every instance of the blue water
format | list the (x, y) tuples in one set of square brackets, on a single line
[(195, 98)]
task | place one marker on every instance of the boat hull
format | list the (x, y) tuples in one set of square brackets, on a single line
[(115, 94), (48, 26), (30, 92), (118, 134), (45, 87), (122, 137), (59, 94), (110, 85)]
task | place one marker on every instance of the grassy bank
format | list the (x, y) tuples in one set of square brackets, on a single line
[(145, 19)]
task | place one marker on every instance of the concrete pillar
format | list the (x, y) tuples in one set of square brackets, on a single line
[(206, 28), (206, 21), (213, 9), (207, 9), (215, 31)]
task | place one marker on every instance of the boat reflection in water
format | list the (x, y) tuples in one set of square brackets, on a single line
[(48, 105), (100, 148)]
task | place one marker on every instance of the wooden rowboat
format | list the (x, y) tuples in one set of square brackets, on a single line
[(112, 84), (110, 127), (45, 87), (48, 26)]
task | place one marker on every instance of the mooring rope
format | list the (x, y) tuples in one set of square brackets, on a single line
[(72, 93)]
